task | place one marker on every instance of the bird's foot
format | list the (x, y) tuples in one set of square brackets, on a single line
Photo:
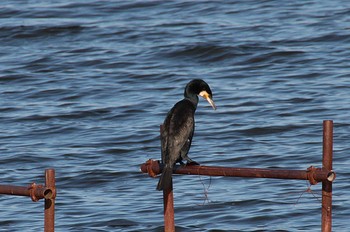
[(191, 163), (182, 163)]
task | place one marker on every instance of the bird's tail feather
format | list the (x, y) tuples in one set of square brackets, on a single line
[(166, 180)]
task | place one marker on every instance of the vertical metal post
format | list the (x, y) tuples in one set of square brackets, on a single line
[(49, 223), (327, 185), (168, 201), (169, 221)]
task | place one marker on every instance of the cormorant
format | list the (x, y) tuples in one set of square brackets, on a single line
[(178, 128)]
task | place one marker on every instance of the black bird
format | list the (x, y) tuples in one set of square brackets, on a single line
[(178, 128)]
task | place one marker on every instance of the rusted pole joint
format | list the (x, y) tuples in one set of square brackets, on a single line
[(315, 175), (37, 192), (152, 167)]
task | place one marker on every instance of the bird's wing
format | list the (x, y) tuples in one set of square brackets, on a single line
[(179, 126), (185, 149), (163, 141)]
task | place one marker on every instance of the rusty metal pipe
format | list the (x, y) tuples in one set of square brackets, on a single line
[(49, 211), (312, 174), (168, 202), (169, 219), (34, 191), (14, 190), (326, 184)]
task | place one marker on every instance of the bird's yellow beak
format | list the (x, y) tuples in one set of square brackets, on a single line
[(206, 96)]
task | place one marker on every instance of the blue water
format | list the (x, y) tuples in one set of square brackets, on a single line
[(84, 86)]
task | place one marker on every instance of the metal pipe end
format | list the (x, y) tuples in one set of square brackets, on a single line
[(331, 176), (48, 194)]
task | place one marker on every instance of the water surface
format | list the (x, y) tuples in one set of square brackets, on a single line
[(84, 86)]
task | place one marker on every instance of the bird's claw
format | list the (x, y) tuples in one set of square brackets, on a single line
[(192, 163)]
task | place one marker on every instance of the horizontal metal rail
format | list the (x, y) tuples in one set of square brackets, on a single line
[(34, 191), (314, 175)]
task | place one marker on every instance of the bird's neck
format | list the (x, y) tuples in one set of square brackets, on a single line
[(193, 98)]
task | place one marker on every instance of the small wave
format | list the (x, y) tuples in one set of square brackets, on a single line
[(268, 130), (273, 56), (79, 114), (205, 52), (333, 37), (25, 32)]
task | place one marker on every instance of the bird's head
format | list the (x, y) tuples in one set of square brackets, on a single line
[(201, 88)]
